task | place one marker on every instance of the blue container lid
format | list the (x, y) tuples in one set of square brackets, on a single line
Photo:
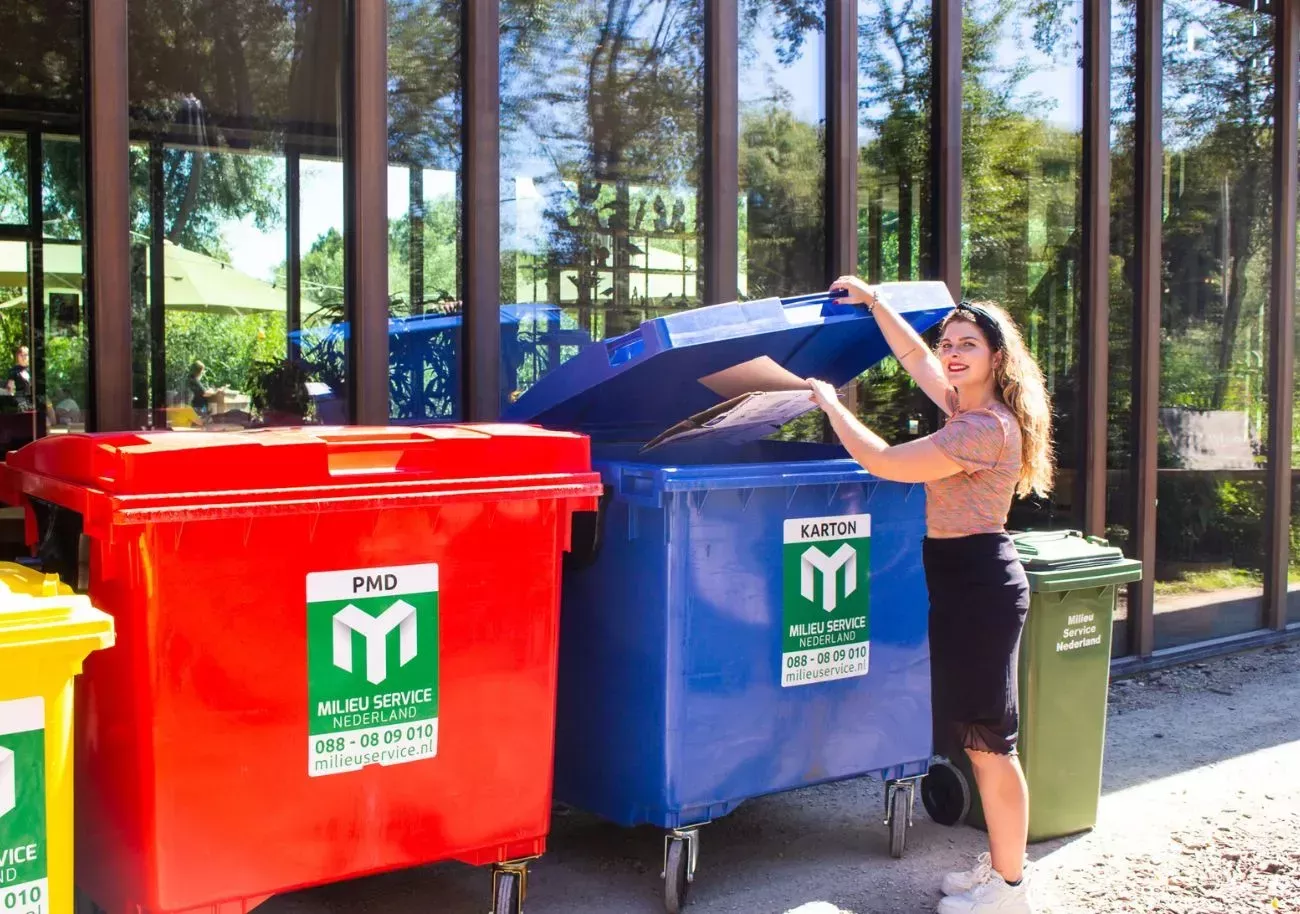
[(630, 388)]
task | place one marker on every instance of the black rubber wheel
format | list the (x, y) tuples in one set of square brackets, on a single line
[(506, 894), (899, 810), (945, 792), (676, 884)]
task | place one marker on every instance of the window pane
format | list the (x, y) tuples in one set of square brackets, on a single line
[(1218, 98), (240, 104), (424, 292), (67, 346), (782, 148), (41, 67), (601, 158), (17, 414), (894, 85), (1123, 254), (62, 188), (1022, 86), (13, 179)]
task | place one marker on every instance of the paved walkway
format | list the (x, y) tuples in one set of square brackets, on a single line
[(1200, 816)]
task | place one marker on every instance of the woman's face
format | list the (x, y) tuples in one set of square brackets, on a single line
[(967, 360)]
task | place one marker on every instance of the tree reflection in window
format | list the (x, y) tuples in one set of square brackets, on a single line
[(602, 120)]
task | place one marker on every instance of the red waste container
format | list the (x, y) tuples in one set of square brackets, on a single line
[(336, 651)]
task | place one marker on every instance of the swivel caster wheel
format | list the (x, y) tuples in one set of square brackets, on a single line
[(900, 798), (508, 886), (681, 849)]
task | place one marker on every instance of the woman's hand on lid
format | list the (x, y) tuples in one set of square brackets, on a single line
[(857, 291), (823, 394)]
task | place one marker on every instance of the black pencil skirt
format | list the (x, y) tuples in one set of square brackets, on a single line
[(979, 597)]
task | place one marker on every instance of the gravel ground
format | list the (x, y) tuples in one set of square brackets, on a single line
[(1200, 815)]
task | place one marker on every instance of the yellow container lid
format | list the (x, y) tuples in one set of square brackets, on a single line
[(36, 607)]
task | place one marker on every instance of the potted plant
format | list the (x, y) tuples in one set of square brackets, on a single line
[(278, 391)]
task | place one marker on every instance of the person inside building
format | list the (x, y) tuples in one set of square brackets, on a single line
[(995, 444), (19, 383), (195, 388)]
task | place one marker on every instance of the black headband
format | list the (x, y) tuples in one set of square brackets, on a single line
[(986, 322)]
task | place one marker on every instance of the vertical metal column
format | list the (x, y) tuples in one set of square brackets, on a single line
[(481, 201), (1281, 344), (1146, 326), (842, 137), (366, 168), (721, 191), (945, 145), (157, 288), (1094, 318), (107, 226)]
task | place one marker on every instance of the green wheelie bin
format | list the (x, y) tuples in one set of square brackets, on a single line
[(1064, 677)]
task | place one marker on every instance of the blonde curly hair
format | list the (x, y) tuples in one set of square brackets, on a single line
[(1021, 387)]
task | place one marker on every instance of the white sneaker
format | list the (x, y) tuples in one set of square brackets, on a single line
[(992, 897), (961, 883)]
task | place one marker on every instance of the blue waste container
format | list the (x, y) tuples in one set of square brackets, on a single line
[(751, 615)]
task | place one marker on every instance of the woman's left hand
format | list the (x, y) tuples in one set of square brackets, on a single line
[(823, 394)]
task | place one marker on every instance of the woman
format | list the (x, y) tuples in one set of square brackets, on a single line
[(995, 444), (195, 387)]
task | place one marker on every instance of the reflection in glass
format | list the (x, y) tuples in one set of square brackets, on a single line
[(782, 148), (41, 67), (62, 188), (1021, 180), (17, 413), (602, 120), (67, 346), (1218, 98), (424, 152), (13, 179), (1123, 254), (894, 85), (239, 104)]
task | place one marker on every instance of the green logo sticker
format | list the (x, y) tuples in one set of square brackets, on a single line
[(24, 863), (372, 667), (826, 618)]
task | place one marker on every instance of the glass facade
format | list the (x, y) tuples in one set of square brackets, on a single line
[(895, 84), (424, 155), (241, 240), (42, 292), (602, 119), (1218, 138), (236, 118), (782, 214), (1022, 95)]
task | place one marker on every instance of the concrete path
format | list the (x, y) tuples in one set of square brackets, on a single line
[(1200, 816)]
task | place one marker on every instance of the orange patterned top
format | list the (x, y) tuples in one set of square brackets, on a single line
[(985, 443)]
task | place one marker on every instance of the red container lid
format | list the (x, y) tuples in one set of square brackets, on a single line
[(259, 460)]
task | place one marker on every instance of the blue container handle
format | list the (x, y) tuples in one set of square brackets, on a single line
[(815, 297)]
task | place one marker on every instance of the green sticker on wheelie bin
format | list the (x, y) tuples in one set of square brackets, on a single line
[(826, 619), (24, 868), (372, 667)]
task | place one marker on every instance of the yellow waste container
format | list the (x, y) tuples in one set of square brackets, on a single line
[(46, 631)]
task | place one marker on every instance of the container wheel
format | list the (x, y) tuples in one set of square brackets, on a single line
[(507, 892), (677, 882), (900, 811), (946, 793)]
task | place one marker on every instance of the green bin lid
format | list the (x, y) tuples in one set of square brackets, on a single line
[(1066, 559)]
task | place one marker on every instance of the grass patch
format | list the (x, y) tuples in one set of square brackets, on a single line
[(1209, 581)]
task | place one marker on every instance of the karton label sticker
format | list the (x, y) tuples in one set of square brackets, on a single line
[(372, 667), (826, 613), (24, 843)]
